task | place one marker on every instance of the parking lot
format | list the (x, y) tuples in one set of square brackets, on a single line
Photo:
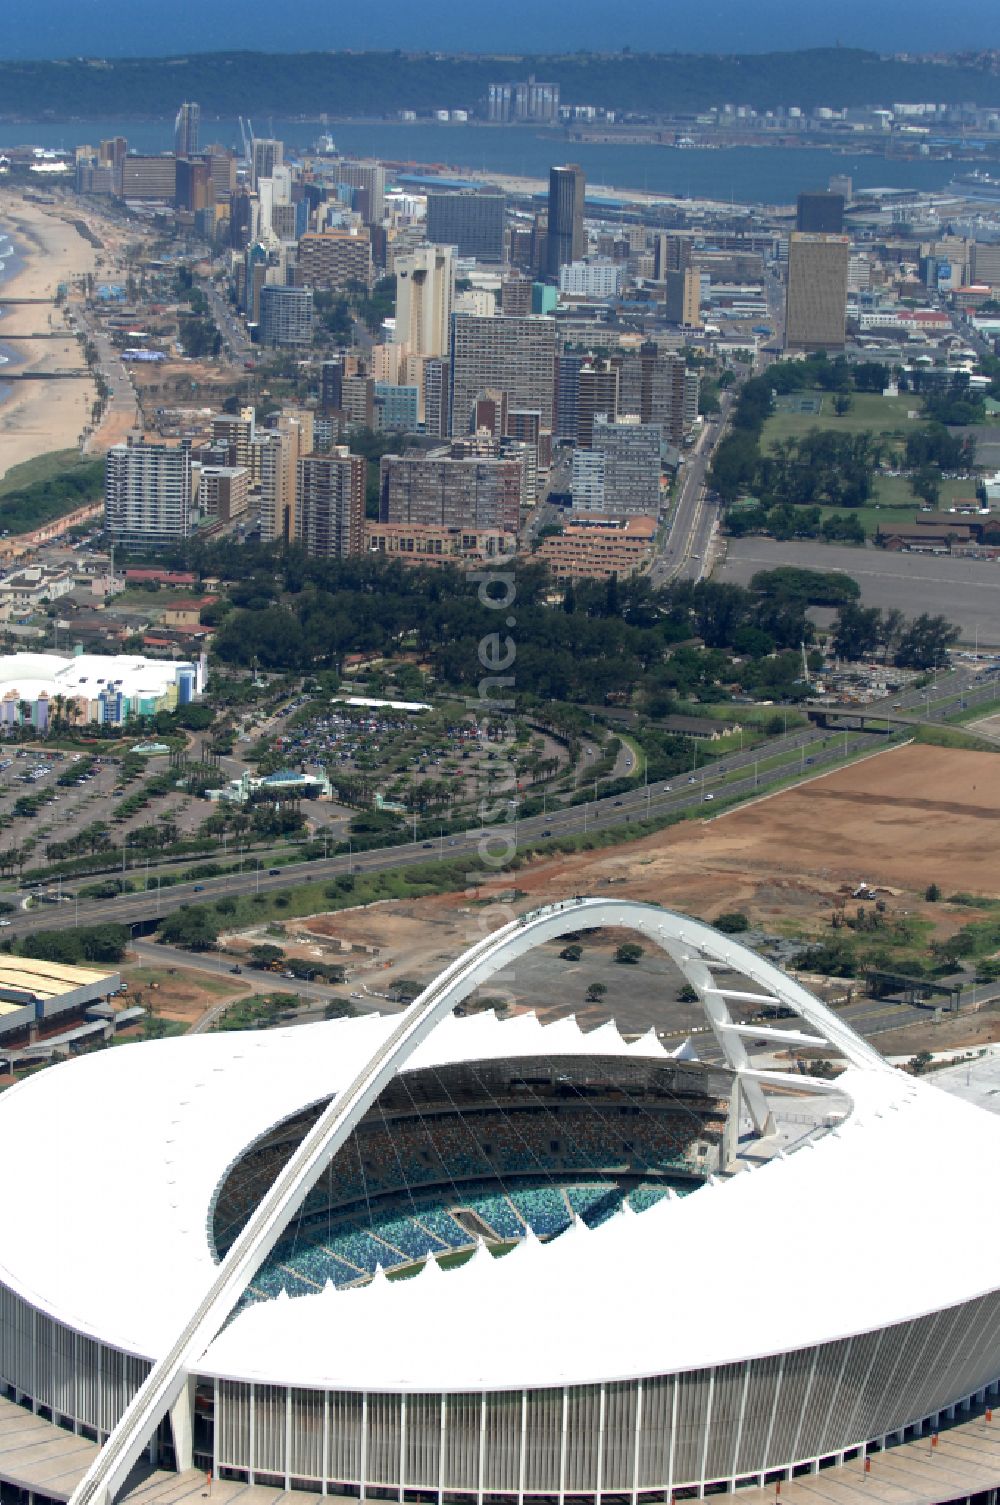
[(966, 591)]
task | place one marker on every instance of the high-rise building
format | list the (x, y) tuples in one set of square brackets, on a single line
[(597, 393), (656, 387), (279, 449), (395, 408), (565, 242), (984, 263), (147, 493), (683, 300), (437, 410), (331, 504), (369, 178), (472, 491), (517, 356), (471, 222), (237, 432), (265, 155), (671, 253), (425, 295), (286, 315), (186, 127), (194, 188), (149, 178), (816, 300), (820, 213), (515, 295), (590, 279), (223, 491), (621, 475), (336, 259)]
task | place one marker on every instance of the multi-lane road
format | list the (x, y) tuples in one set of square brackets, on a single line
[(802, 753)]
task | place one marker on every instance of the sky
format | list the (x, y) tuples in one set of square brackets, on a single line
[(67, 28)]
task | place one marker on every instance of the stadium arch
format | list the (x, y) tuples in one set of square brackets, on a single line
[(693, 946)]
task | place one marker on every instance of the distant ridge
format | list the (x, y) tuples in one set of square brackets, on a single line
[(379, 84)]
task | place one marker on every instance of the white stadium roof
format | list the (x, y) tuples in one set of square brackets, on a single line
[(113, 1160)]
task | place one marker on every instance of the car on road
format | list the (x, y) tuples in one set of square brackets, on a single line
[(546, 832), (273, 872), (199, 888), (236, 971), (709, 797), (617, 803), (428, 846)]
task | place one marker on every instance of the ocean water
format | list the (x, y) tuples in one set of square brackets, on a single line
[(766, 174)]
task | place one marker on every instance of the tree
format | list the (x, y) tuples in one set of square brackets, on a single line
[(194, 929), (856, 631), (925, 643), (925, 483), (628, 953), (932, 893), (842, 404), (571, 953), (595, 992), (733, 922)]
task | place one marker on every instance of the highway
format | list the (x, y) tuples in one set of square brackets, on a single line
[(803, 752)]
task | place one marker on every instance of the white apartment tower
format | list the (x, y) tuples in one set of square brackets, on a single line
[(147, 493), (425, 296)]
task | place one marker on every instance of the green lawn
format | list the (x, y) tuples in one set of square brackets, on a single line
[(43, 468), (882, 415)]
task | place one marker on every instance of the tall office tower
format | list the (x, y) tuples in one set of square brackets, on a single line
[(241, 226), (683, 300), (437, 412), (656, 387), (369, 177), (519, 244), (331, 390), (566, 240), (186, 127), (147, 493), (425, 296), (112, 152), (286, 315), (820, 213), (335, 259), (265, 155), (671, 253), (571, 363), (193, 185), (816, 298), (331, 504), (518, 356), (597, 393), (279, 450), (472, 491), (471, 222), (842, 183)]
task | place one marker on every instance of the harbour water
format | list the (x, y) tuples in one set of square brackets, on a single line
[(766, 174)]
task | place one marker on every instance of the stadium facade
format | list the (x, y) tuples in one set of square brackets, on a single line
[(678, 1311)]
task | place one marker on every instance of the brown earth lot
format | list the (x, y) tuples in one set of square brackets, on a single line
[(905, 819)]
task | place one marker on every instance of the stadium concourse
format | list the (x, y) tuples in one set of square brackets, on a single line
[(607, 1281)]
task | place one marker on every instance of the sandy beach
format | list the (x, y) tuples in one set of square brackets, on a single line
[(40, 416)]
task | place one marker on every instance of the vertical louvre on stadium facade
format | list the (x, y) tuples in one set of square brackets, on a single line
[(728, 1423)]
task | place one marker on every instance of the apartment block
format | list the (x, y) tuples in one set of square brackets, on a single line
[(514, 355), (147, 493), (331, 504)]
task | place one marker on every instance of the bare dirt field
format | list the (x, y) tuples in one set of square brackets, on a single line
[(180, 995), (903, 820)]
